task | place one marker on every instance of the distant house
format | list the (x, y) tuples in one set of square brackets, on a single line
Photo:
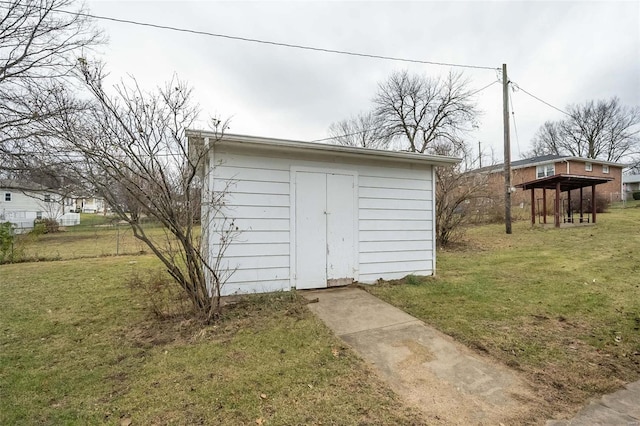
[(86, 204), (534, 168), (23, 202), (631, 184)]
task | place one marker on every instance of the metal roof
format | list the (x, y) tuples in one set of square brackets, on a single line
[(567, 182), (546, 159), (285, 145), (21, 185)]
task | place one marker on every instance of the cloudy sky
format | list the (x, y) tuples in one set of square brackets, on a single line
[(561, 52)]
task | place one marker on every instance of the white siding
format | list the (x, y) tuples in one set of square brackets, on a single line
[(258, 201), (395, 217), (396, 224), (23, 207)]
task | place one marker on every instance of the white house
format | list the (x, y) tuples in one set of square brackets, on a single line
[(314, 215), (86, 204), (631, 184), (23, 202)]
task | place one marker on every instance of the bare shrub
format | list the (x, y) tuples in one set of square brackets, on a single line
[(159, 294)]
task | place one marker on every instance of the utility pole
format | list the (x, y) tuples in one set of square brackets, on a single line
[(507, 150), (479, 154)]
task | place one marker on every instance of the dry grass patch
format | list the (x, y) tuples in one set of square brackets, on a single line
[(78, 347)]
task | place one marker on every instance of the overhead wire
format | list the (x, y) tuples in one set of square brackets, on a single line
[(342, 136), (517, 87), (267, 42), (513, 115), (483, 88)]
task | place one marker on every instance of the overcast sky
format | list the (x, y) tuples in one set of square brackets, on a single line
[(562, 52)]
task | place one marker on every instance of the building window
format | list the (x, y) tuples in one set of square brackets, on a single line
[(545, 170), (47, 198), (605, 168), (588, 167), (7, 196), (38, 215)]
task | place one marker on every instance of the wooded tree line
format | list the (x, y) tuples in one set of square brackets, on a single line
[(604, 130)]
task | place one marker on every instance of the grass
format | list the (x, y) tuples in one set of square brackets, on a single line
[(94, 219), (561, 306), (76, 242), (78, 347)]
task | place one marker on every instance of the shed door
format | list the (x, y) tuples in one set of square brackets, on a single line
[(325, 233)]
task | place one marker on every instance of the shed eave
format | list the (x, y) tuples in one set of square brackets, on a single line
[(251, 142)]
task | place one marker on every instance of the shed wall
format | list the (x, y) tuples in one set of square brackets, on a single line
[(395, 216)]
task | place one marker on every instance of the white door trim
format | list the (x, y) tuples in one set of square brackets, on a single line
[(292, 217)]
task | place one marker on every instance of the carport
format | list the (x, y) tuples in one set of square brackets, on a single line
[(563, 183)]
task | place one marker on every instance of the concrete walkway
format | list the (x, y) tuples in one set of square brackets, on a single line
[(447, 381), (619, 408)]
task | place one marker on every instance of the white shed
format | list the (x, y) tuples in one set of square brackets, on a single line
[(315, 215)]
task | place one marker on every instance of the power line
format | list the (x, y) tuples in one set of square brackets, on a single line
[(483, 88), (515, 128), (267, 42), (342, 136), (517, 87)]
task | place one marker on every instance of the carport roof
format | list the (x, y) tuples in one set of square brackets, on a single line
[(567, 182)]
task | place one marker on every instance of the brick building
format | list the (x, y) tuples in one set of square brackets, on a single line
[(534, 168)]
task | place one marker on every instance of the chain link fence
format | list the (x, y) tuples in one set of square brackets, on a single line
[(104, 237)]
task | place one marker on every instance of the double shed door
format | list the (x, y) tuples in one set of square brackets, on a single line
[(325, 229)]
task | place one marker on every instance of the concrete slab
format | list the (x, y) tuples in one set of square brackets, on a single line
[(634, 387), (443, 378), (624, 401), (597, 414), (619, 408), (350, 310)]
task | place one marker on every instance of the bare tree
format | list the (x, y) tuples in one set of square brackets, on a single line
[(423, 111), (131, 148), (546, 141), (430, 115), (363, 130), (425, 115), (39, 43), (604, 130), (460, 193)]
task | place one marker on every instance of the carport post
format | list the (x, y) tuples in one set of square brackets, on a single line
[(557, 205), (544, 205), (533, 206), (593, 203), (581, 208)]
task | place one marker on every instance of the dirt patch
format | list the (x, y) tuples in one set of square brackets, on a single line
[(239, 313), (419, 353)]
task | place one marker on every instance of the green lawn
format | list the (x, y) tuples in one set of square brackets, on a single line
[(78, 347), (83, 241), (562, 306)]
